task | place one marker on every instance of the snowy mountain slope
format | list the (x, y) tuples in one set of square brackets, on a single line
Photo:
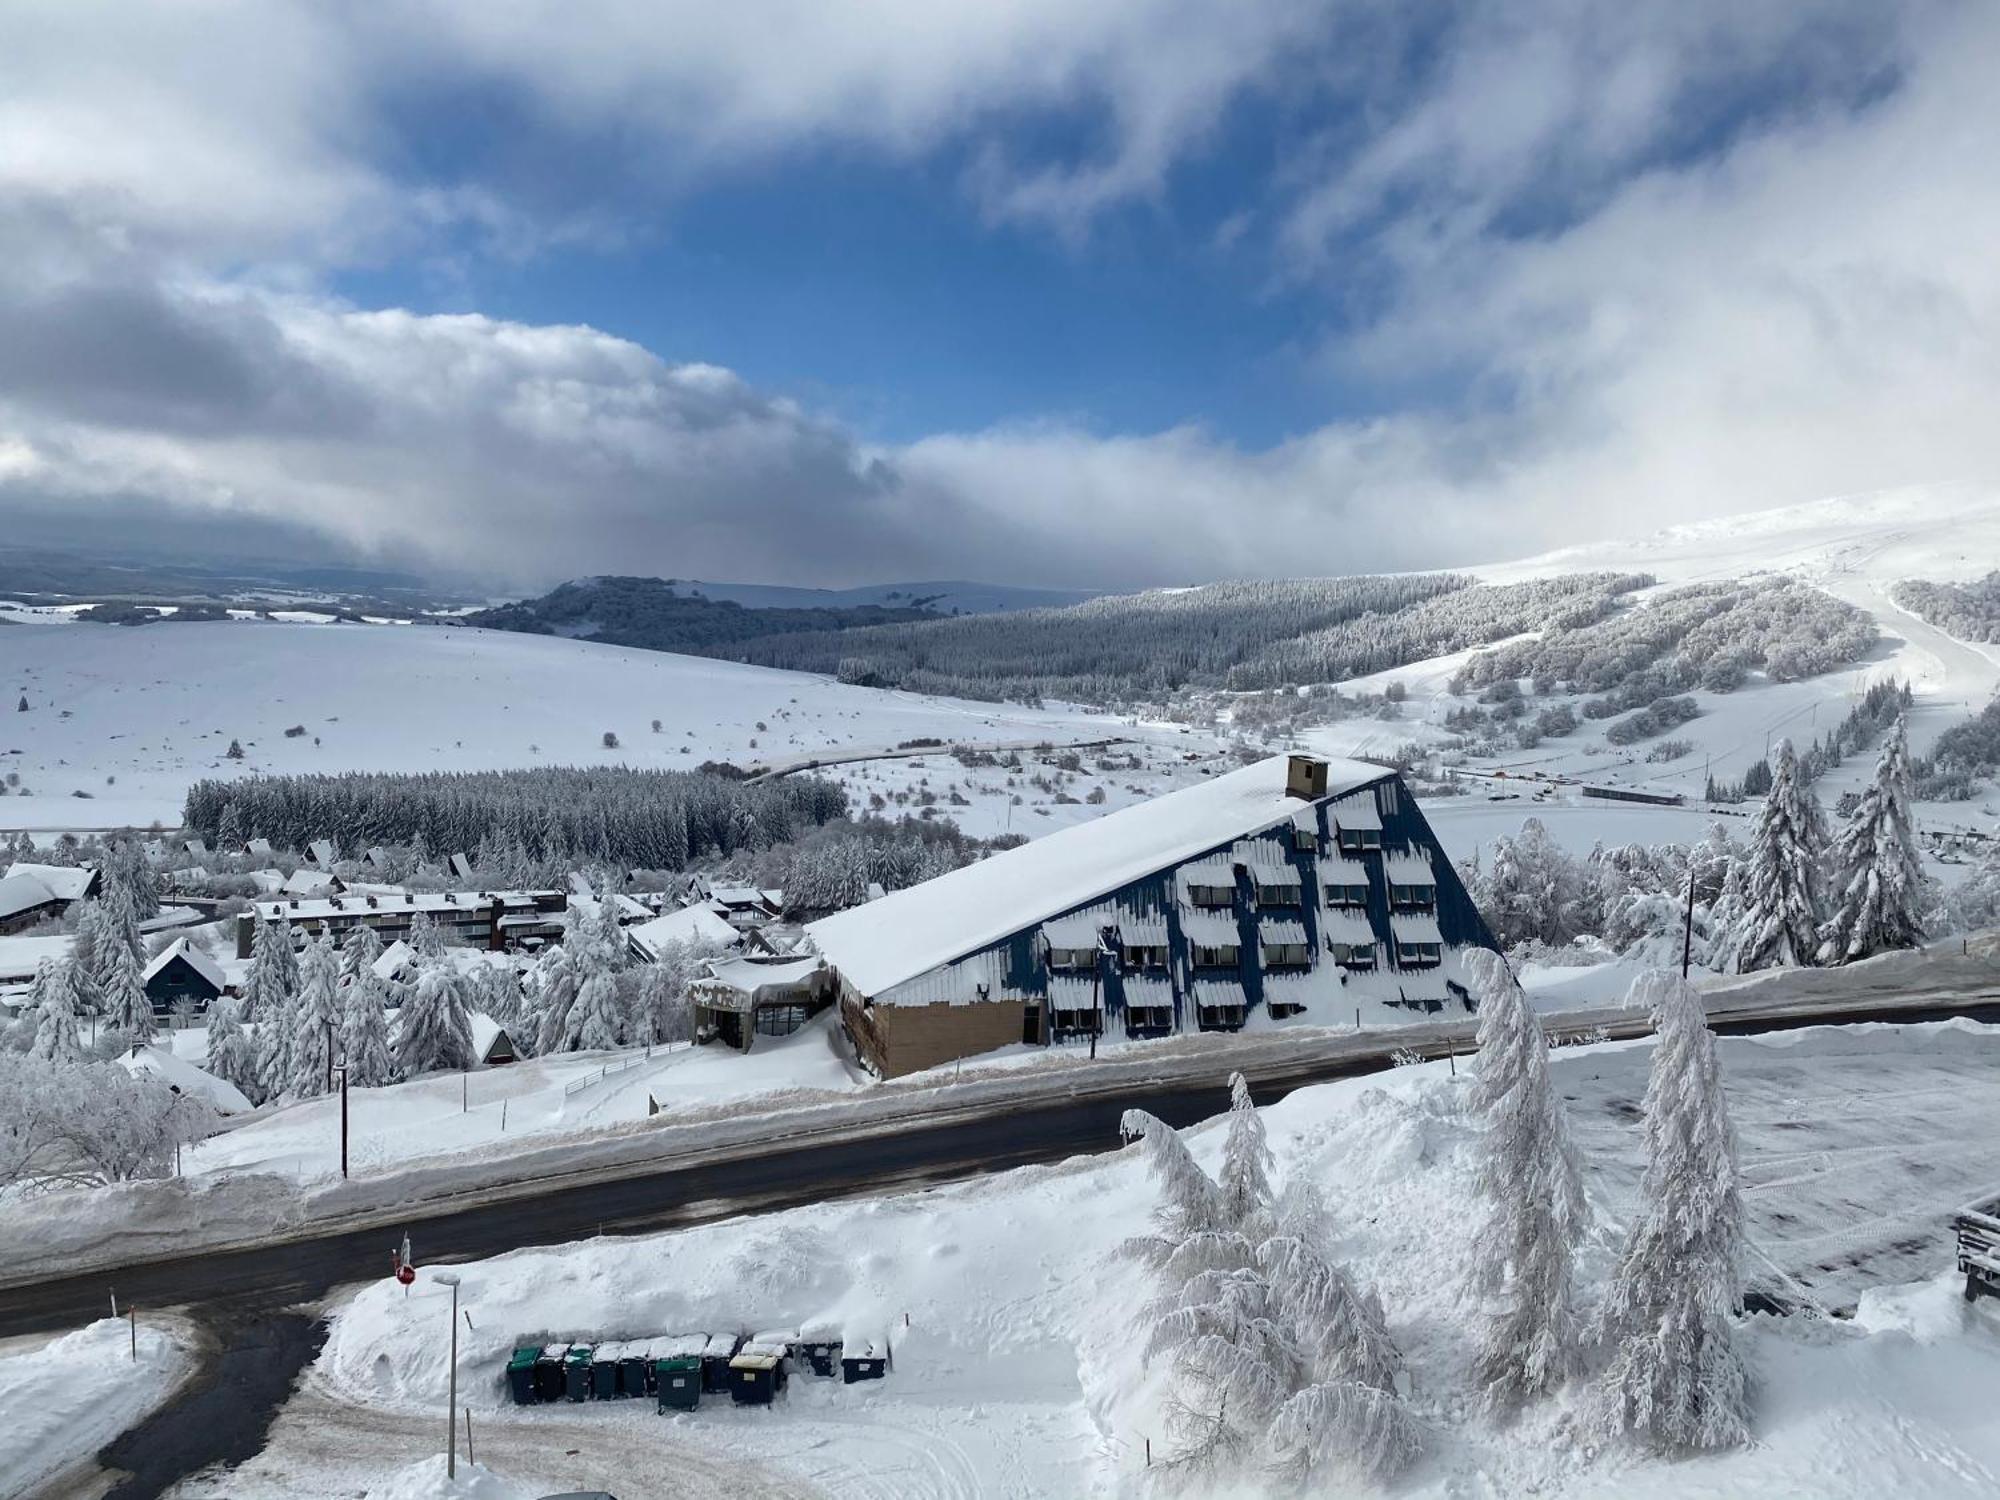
[(1855, 548), (132, 716)]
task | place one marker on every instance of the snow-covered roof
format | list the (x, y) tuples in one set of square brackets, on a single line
[(1212, 993), (753, 978), (1272, 874), (19, 893), (305, 882), (909, 931), (1077, 931), (178, 1073), (1336, 870), (684, 926), (1415, 927), (1356, 813), (1409, 869), (738, 895), (460, 866), (197, 959), (321, 852), (1209, 874), (485, 1032), (257, 846), (64, 882), (313, 908), (1074, 992), (1211, 929), (1340, 925), (1142, 932), (395, 958), (1148, 990), (1270, 933)]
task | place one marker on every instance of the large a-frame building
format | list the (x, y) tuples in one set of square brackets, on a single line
[(1293, 888)]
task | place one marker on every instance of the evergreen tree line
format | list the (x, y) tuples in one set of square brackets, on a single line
[(1150, 646), (660, 820), (1970, 611), (1281, 1367), (1705, 635), (1795, 894)]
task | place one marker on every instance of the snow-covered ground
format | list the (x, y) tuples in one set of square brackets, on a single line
[(65, 1398), (132, 716), (1017, 1372)]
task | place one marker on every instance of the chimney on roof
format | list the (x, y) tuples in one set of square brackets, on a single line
[(1305, 777)]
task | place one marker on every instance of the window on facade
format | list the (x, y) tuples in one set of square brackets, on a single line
[(1216, 1016), (1216, 958), (1145, 956), (1149, 1018), (1277, 895), (1419, 955), (1357, 839), (1211, 895), (1354, 955), (1304, 838), (1072, 958), (1412, 895), (1284, 955), (1346, 895)]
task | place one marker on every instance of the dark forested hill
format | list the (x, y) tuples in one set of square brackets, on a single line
[(654, 614)]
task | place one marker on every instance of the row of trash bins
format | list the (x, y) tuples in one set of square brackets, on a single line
[(679, 1369)]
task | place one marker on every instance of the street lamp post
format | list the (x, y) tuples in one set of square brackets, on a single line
[(450, 1279)]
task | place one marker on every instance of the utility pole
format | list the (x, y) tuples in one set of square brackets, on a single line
[(450, 1279), (329, 1057), (343, 1120), (1687, 931)]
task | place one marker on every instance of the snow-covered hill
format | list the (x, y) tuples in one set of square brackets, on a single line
[(1853, 547), (947, 597), (132, 716)]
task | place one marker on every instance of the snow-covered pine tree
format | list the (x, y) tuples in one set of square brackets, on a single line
[(83, 976), (1878, 883), (1725, 923), (364, 1030), (597, 1021), (118, 924), (230, 1055), (272, 978), (436, 1026), (426, 937), (126, 1007), (1674, 1383), (1522, 1260), (359, 949), (1781, 888), (51, 998), (315, 1019), (1246, 1159)]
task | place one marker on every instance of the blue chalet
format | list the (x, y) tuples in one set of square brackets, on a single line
[(1295, 887)]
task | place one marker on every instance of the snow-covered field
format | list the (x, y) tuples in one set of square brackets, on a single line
[(1016, 1371), (131, 716), (65, 1398)]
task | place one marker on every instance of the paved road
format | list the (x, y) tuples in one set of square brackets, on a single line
[(246, 1298)]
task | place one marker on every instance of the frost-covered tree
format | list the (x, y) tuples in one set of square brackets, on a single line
[(273, 977), (51, 998), (1674, 1382), (230, 1055), (1782, 882), (1529, 1177), (598, 1018), (364, 1030), (83, 958), (1721, 953), (436, 1024), (1276, 1358), (555, 981), (359, 950), (315, 1019), (1878, 882), (426, 937), (126, 1007), (1246, 1158), (1534, 890)]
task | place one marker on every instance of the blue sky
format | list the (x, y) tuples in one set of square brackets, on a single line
[(1141, 292)]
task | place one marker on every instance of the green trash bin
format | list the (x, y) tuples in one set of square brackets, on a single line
[(677, 1378), (521, 1374), (576, 1372)]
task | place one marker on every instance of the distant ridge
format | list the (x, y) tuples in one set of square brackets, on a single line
[(945, 597)]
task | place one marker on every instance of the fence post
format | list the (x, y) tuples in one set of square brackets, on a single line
[(132, 1317)]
